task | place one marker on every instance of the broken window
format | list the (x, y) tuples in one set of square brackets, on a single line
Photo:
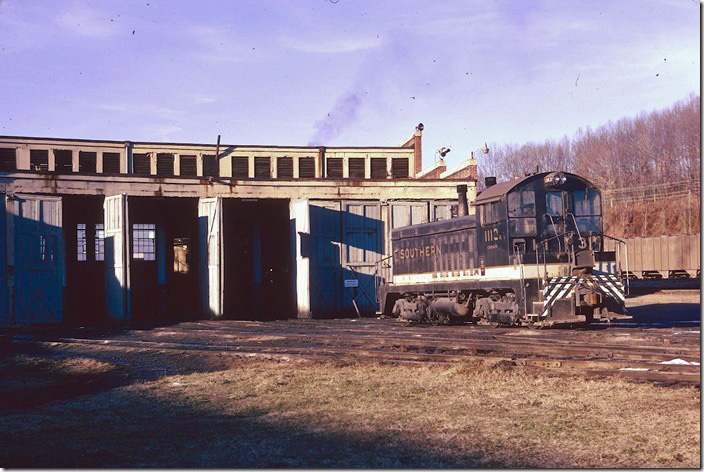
[(181, 255), (335, 168), (399, 167), (111, 163), (141, 164), (8, 159), (81, 243), (262, 168), (39, 160), (378, 165), (188, 166), (99, 242), (306, 168), (144, 241), (284, 167), (87, 162), (356, 167), (63, 161), (164, 164), (240, 167), (210, 166)]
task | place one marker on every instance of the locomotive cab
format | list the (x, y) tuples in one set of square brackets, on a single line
[(555, 235)]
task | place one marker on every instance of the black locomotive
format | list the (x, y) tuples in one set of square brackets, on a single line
[(532, 255)]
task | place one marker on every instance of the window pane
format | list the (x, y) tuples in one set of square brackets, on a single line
[(587, 202), (589, 224), (81, 242), (143, 242), (522, 227), (521, 203), (553, 203), (99, 242)]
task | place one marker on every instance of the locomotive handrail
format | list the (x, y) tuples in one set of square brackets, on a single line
[(559, 246), (377, 277), (618, 257), (581, 240)]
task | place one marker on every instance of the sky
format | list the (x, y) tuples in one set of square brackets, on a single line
[(341, 72)]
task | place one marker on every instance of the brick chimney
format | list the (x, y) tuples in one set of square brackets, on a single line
[(417, 146)]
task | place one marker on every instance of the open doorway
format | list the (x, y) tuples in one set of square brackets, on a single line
[(258, 281)]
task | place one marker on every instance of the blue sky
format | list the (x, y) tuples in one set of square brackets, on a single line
[(357, 73)]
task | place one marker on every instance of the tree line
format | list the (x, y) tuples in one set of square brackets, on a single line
[(645, 151)]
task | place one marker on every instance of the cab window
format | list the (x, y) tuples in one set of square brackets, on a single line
[(522, 227), (553, 203), (587, 202), (521, 203), (489, 213)]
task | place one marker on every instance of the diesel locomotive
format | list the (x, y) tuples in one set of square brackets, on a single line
[(533, 254)]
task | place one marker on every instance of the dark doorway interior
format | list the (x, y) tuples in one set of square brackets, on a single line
[(84, 293), (164, 283), (257, 256)]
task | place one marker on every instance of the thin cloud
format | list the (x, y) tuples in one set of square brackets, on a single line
[(143, 109), (203, 100), (328, 46), (87, 23), (214, 45)]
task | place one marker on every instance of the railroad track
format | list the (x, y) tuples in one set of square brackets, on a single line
[(646, 358)]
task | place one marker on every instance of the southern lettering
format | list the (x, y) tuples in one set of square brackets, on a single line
[(417, 252)]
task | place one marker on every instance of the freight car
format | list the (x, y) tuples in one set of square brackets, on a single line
[(530, 256)]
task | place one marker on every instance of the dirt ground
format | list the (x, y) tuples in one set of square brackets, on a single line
[(90, 407), (303, 414)]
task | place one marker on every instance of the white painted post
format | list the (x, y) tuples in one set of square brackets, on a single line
[(299, 211)]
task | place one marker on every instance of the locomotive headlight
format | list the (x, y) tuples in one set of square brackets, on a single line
[(555, 178)]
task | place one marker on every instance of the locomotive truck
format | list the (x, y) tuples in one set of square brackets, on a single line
[(533, 254)]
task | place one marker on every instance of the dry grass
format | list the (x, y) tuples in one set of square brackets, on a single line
[(269, 414), (23, 374)]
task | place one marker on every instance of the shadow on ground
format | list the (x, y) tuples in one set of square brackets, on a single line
[(666, 312), (107, 423)]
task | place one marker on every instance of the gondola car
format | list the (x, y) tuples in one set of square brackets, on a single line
[(531, 255)]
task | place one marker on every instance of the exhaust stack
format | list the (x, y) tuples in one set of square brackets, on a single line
[(462, 209)]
